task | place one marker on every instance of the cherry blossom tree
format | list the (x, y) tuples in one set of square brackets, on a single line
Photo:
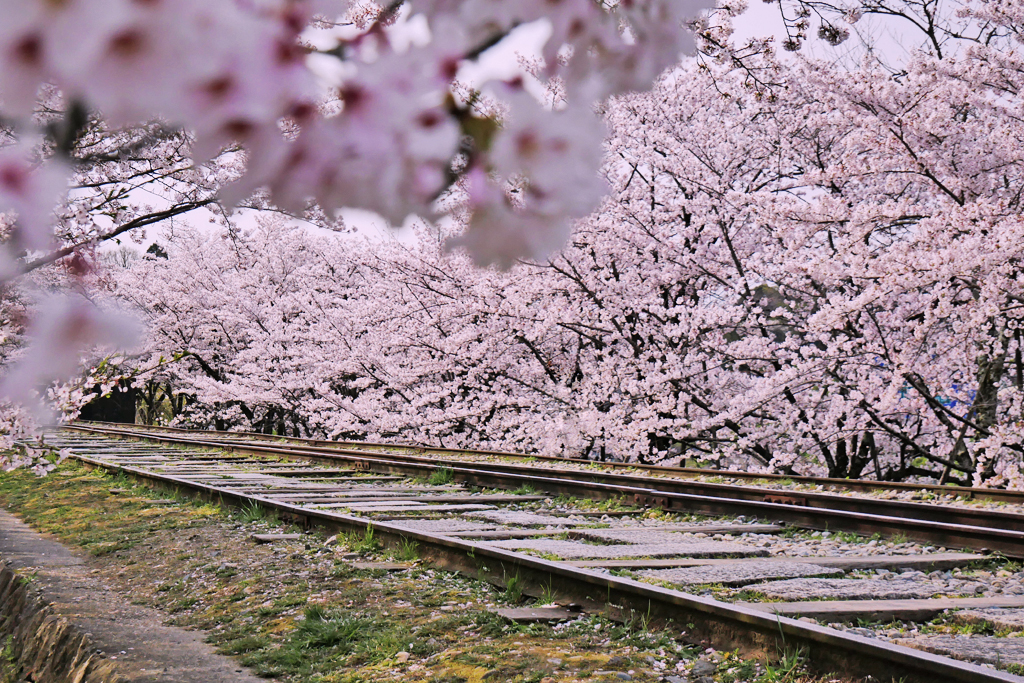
[(117, 116), (853, 253), (799, 268)]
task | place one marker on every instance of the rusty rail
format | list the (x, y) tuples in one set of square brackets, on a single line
[(948, 526), (978, 493)]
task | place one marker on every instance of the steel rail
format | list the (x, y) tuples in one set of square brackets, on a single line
[(1003, 495), (895, 508), (724, 624), (932, 524)]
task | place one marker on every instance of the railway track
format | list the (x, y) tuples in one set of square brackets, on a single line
[(951, 526), (733, 476), (733, 583)]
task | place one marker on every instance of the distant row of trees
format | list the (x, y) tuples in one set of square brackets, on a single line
[(801, 267)]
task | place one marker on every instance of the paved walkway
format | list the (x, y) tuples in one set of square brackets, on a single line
[(145, 649)]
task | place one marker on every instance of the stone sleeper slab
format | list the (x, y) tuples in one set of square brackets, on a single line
[(571, 550), (881, 610), (644, 536), (985, 649), (850, 589), (526, 518), (671, 533), (999, 617), (419, 508), (444, 526), (741, 573)]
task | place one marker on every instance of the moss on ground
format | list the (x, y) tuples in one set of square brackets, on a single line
[(299, 611), (9, 669)]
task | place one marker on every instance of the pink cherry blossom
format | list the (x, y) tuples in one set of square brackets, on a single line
[(30, 190), (64, 328)]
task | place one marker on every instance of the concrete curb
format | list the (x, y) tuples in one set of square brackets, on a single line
[(40, 645)]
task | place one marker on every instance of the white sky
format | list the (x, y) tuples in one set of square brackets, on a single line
[(889, 37)]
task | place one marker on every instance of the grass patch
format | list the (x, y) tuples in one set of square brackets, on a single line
[(441, 476), (319, 630), (10, 672), (790, 667), (243, 645), (79, 508), (365, 542), (254, 512), (513, 589), (407, 551)]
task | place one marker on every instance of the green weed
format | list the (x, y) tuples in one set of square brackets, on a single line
[(789, 667), (9, 669), (182, 605), (547, 595), (441, 476), (319, 631), (513, 588), (244, 645), (407, 550), (253, 512), (361, 543)]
